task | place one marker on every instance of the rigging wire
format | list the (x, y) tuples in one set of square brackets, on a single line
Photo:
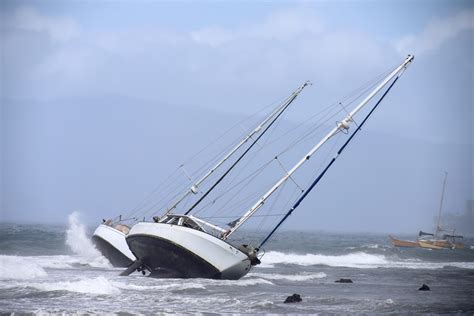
[(301, 139), (247, 179), (316, 181), (139, 205), (287, 103)]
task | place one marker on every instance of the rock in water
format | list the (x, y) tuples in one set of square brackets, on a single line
[(295, 298), (344, 281), (424, 287)]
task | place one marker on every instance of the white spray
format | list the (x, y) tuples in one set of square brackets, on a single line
[(81, 245)]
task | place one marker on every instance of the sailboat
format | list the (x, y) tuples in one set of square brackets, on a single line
[(109, 239), (109, 236), (186, 246), (436, 241)]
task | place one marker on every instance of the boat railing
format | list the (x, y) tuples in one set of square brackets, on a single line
[(119, 223), (191, 222)]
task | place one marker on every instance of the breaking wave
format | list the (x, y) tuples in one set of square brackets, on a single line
[(172, 286), (81, 244), (354, 260), (14, 267), (359, 260), (242, 282), (99, 285), (370, 246), (29, 267)]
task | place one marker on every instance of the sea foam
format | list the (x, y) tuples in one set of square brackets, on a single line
[(241, 282), (80, 244), (98, 286), (167, 287), (359, 260), (289, 277), (355, 260)]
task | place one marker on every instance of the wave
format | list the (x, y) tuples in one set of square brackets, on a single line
[(99, 285), (241, 282), (354, 260), (81, 244), (370, 246), (13, 267), (360, 260), (171, 286), (30, 267), (290, 277)]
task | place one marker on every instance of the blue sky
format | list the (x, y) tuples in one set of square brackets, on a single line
[(228, 58)]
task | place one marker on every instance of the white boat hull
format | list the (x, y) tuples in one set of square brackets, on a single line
[(111, 243), (178, 251)]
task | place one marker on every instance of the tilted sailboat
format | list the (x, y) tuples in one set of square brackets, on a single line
[(437, 240), (185, 246), (109, 237)]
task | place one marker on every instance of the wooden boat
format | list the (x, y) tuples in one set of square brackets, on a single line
[(429, 245), (446, 241), (404, 243)]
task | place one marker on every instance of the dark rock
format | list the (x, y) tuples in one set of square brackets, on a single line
[(424, 287), (295, 298), (344, 281)]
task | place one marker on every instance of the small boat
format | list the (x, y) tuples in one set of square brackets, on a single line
[(429, 245), (404, 243), (446, 242), (109, 237), (436, 241), (185, 246)]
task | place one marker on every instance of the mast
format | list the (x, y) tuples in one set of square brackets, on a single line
[(276, 113), (438, 227), (343, 125), (316, 181), (286, 104)]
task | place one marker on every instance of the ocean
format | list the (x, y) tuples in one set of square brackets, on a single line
[(48, 269)]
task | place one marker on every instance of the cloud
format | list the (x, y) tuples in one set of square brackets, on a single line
[(59, 28), (274, 53), (436, 33), (280, 25)]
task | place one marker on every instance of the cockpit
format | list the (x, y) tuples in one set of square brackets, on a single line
[(191, 222)]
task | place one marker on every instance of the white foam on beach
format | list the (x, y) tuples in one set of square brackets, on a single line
[(14, 267), (290, 277), (359, 260), (81, 244)]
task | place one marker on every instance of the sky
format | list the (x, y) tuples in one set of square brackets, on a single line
[(101, 98)]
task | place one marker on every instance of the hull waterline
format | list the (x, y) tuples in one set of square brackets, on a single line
[(404, 243), (426, 243), (182, 252)]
